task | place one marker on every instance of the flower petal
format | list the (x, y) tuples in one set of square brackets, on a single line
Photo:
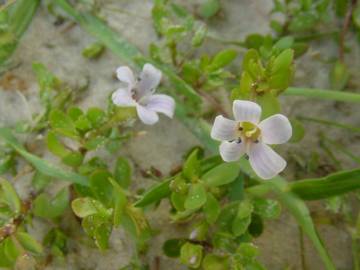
[(231, 151), (265, 161), (246, 111), (162, 104), (126, 75), (223, 129), (147, 116), (276, 129), (149, 79), (122, 97)]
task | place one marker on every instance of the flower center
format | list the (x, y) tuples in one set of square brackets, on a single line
[(248, 131)]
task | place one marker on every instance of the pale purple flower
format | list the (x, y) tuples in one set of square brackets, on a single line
[(139, 93), (247, 135)]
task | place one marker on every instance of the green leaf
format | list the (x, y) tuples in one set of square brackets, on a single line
[(171, 247), (178, 201), (355, 15), (55, 146), (44, 206), (40, 181), (284, 43), (10, 196), (87, 206), (199, 36), (215, 262), (82, 123), (46, 80), (120, 202), (155, 193), (283, 61), (252, 64), (245, 89), (247, 251), (29, 243), (74, 113), (5, 261), (196, 197), (209, 8), (302, 22), (242, 219), (339, 76), (328, 186), (11, 251), (222, 174), (20, 13), (222, 59), (269, 104), (254, 41), (298, 131), (98, 228), (211, 209), (340, 7), (94, 50), (62, 124), (123, 172), (191, 167), (96, 116), (191, 255), (40, 164), (73, 159), (266, 208), (256, 226), (101, 186)]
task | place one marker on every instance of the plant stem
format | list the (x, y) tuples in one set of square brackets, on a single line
[(324, 94), (329, 123)]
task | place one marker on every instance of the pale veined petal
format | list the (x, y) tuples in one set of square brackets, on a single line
[(223, 129), (122, 97), (150, 78), (126, 75), (147, 116), (231, 151), (246, 111), (161, 104), (265, 162), (276, 129)]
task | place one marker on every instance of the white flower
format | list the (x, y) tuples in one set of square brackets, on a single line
[(246, 135), (140, 94)]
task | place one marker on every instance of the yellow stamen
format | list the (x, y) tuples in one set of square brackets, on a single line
[(248, 130)]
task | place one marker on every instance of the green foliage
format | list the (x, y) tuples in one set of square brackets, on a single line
[(196, 197), (123, 172), (221, 175), (14, 20), (191, 255), (265, 83), (46, 207), (172, 247), (328, 186), (209, 8), (10, 204), (93, 51), (339, 76)]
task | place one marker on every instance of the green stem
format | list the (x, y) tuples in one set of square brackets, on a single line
[(323, 94), (329, 123), (313, 36)]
